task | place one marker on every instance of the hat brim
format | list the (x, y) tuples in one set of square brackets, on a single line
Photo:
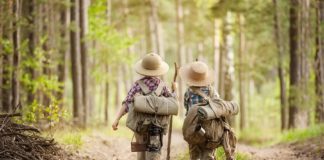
[(163, 69), (184, 75)]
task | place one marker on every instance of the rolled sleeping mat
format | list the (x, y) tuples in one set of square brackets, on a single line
[(217, 108), (156, 105)]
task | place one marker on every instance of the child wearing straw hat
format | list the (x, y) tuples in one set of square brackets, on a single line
[(150, 67), (197, 75)]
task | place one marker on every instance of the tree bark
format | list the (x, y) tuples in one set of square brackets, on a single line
[(30, 33), (216, 51), (299, 48), (319, 62), (7, 60), (76, 63), (241, 72), (180, 49), (84, 59), (280, 49), (16, 55), (63, 51)]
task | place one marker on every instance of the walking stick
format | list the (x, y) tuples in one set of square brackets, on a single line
[(170, 126)]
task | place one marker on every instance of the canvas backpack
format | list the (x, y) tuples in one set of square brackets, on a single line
[(217, 130), (139, 121)]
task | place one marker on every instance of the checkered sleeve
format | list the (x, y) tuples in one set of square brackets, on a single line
[(166, 92), (186, 100), (130, 95)]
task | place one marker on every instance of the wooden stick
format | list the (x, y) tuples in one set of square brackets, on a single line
[(10, 115), (171, 118)]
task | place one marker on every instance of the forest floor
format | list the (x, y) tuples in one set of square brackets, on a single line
[(100, 146)]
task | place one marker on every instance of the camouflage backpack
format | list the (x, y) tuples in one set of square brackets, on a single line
[(138, 121), (211, 132)]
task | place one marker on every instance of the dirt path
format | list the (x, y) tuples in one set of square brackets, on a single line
[(99, 146), (311, 149)]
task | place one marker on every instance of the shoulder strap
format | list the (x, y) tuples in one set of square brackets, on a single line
[(201, 93), (146, 90), (143, 86), (159, 89)]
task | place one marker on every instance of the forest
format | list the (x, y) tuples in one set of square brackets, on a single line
[(67, 65)]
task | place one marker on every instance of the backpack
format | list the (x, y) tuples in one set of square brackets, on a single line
[(138, 121), (217, 131)]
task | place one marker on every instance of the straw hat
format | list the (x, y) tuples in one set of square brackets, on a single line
[(196, 74), (151, 65)]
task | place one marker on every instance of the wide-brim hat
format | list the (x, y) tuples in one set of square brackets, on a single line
[(196, 74), (151, 65)]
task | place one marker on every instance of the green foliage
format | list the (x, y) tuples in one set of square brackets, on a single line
[(302, 134), (110, 44), (73, 139)]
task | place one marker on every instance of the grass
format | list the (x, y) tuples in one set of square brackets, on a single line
[(72, 138), (302, 134)]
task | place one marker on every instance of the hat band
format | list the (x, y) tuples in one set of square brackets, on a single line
[(197, 76), (151, 66)]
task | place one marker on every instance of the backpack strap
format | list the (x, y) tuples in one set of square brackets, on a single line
[(146, 90), (159, 89), (143, 86), (205, 96)]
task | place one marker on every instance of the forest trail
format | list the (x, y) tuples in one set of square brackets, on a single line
[(99, 146)]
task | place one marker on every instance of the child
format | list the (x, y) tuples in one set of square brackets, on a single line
[(198, 77), (151, 66)]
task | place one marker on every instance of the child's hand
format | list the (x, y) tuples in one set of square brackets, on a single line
[(174, 86), (115, 125)]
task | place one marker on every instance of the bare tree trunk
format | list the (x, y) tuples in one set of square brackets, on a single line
[(76, 63), (84, 58), (241, 71), (63, 50), (180, 49), (117, 86), (319, 62), (7, 61), (1, 48), (106, 99), (31, 20), (216, 51), (16, 55), (299, 49), (280, 50), (222, 61)]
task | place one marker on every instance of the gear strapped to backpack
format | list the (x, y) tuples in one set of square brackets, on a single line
[(149, 115), (206, 125)]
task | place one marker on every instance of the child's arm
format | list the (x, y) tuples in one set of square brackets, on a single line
[(120, 114)]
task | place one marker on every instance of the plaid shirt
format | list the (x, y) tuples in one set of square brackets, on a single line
[(190, 98), (152, 83)]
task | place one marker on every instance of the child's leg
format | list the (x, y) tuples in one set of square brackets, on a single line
[(194, 151), (140, 139)]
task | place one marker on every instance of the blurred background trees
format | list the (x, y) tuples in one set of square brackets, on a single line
[(72, 60)]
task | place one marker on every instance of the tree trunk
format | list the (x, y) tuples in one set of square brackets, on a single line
[(319, 62), (222, 60), (76, 63), (299, 49), (16, 55), (7, 60), (241, 71), (106, 99), (63, 51), (84, 58), (280, 49), (117, 86), (216, 51), (180, 50), (31, 37)]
